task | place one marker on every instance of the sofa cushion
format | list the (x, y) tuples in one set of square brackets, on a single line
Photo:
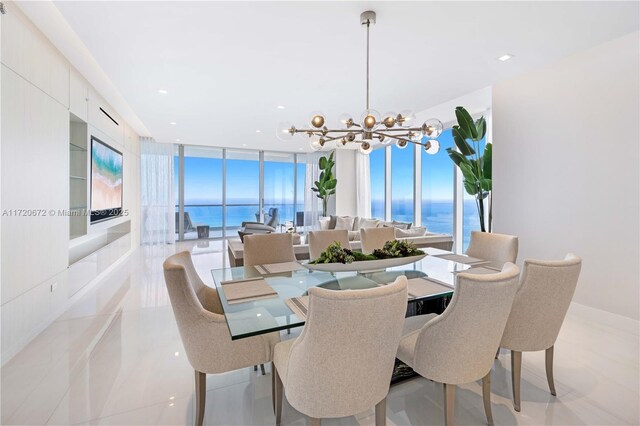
[(324, 223), (354, 235), (401, 225), (344, 222), (368, 223), (382, 224), (416, 231)]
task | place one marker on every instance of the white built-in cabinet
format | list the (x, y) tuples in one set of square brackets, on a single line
[(78, 95)]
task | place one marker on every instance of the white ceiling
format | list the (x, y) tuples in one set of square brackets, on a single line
[(227, 66)]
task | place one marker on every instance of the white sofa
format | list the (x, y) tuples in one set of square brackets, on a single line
[(353, 224), (421, 239)]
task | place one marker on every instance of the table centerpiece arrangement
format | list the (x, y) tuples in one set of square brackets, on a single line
[(339, 259)]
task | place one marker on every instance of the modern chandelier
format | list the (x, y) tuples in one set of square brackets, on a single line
[(389, 128)]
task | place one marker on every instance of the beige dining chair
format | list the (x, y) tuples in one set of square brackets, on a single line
[(260, 249), (203, 328), (458, 346), (491, 246), (341, 364), (320, 240), (539, 308), (374, 238)]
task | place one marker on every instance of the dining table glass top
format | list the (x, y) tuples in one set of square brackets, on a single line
[(270, 314)]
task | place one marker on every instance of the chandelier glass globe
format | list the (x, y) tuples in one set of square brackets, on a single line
[(370, 120), (432, 128), (317, 119), (432, 147), (365, 148)]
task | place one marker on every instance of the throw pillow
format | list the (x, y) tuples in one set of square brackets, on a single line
[(401, 225), (383, 224), (369, 223), (344, 222), (332, 222), (416, 231), (356, 223)]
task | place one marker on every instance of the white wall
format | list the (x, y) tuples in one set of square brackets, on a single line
[(565, 168), (345, 172), (39, 87)]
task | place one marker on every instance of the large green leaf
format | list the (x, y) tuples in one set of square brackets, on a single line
[(322, 163), (481, 127), (459, 138), (485, 184), (457, 158), (466, 122), (469, 173), (331, 184), (470, 187), (486, 161)]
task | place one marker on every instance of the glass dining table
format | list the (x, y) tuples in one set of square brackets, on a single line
[(271, 314)]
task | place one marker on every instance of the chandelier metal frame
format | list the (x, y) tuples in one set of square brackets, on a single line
[(392, 127)]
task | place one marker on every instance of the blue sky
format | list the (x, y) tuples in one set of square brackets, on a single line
[(437, 172)]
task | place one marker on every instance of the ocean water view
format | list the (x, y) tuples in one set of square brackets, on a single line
[(437, 216)]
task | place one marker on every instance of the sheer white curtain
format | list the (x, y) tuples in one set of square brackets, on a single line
[(363, 185), (156, 192), (312, 204)]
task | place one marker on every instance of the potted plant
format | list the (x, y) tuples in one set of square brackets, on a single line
[(325, 186), (475, 168)]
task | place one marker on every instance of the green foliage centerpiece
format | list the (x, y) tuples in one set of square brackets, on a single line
[(475, 168), (335, 253), (326, 183)]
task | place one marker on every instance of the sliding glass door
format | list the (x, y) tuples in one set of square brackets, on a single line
[(438, 180)]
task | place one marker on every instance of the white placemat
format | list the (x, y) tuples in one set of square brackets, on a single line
[(241, 291)]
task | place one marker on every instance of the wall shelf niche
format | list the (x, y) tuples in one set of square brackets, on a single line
[(78, 172)]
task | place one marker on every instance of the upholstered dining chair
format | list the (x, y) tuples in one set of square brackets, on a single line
[(341, 364), (538, 311), (262, 249), (458, 346), (203, 328), (491, 246), (374, 238), (320, 240)]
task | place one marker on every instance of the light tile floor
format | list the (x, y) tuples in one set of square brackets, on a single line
[(115, 357)]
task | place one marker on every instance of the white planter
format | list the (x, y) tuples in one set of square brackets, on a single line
[(363, 266)]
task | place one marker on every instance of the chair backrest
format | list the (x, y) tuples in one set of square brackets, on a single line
[(490, 246), (459, 346), (272, 219), (541, 303), (343, 360), (320, 240), (195, 307), (374, 238), (261, 249)]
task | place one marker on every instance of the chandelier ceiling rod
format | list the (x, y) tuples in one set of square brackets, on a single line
[(388, 128)]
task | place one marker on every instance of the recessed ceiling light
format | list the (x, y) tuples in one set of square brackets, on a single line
[(280, 106), (258, 131), (177, 140), (244, 144), (173, 123), (505, 57), (162, 91), (176, 353), (300, 150)]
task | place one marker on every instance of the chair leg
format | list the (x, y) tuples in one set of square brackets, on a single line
[(278, 392), (262, 369), (201, 395), (273, 388), (449, 404), (549, 364), (381, 413), (516, 366), (255, 368), (498, 353), (486, 397), (312, 421)]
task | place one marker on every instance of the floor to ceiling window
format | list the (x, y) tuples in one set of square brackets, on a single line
[(202, 191), (279, 184), (377, 174), (242, 188), (301, 170), (402, 176), (222, 188), (438, 180)]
